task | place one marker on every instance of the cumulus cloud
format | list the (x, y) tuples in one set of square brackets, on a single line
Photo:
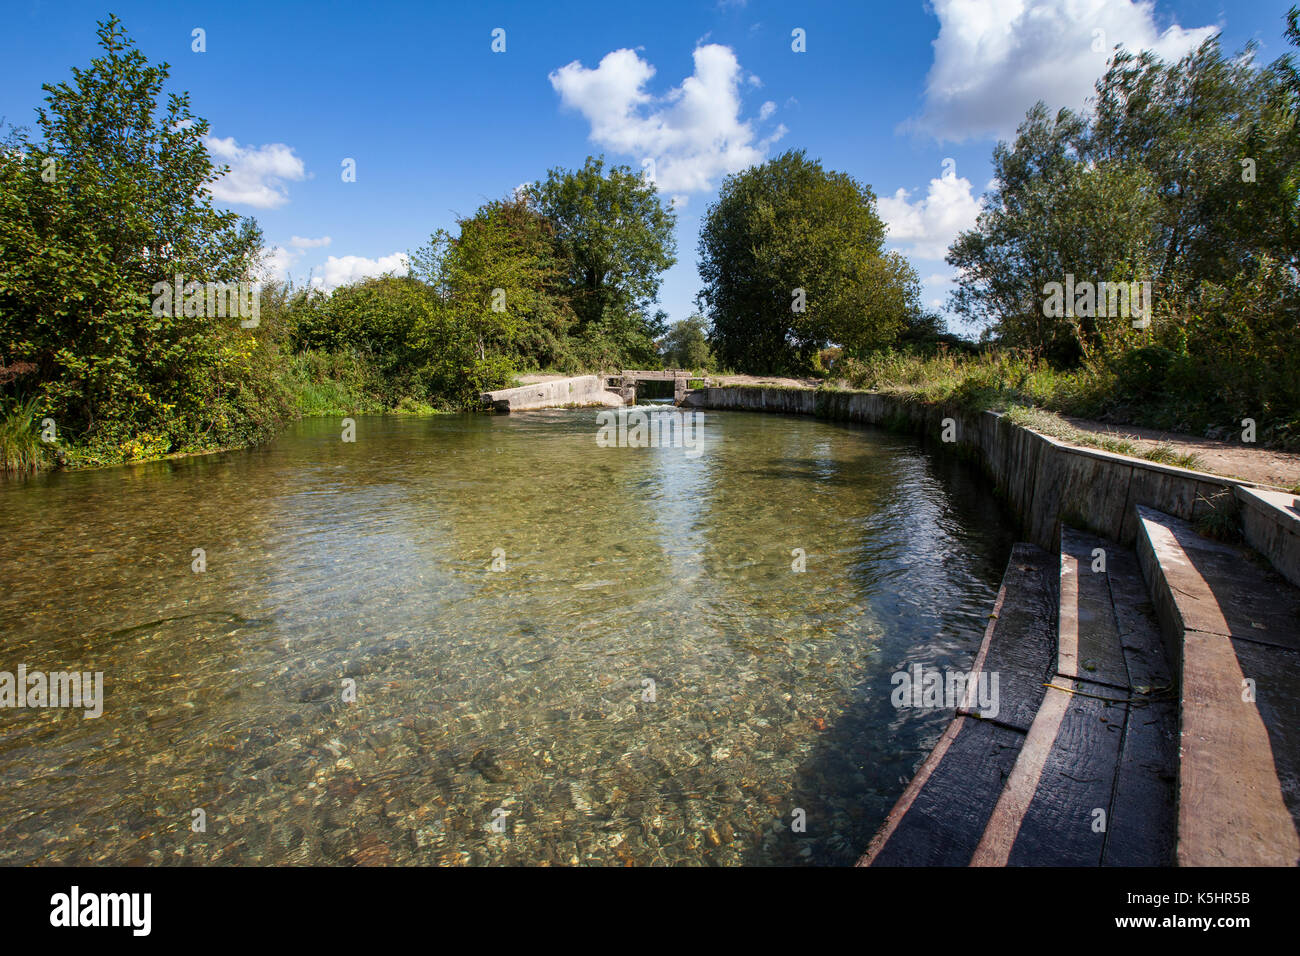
[(257, 173), (993, 59), (342, 270), (926, 228), (278, 260), (693, 133)]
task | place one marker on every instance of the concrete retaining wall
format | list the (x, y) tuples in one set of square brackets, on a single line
[(581, 390), (1042, 480), (1272, 523)]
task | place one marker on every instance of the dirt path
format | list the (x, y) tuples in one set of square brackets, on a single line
[(1264, 466), (765, 380)]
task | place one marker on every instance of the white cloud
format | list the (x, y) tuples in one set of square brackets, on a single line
[(993, 59), (342, 270), (766, 110), (927, 227), (257, 173), (277, 261), (693, 133)]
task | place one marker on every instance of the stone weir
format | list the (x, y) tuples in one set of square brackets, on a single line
[(1149, 676), (581, 390), (586, 390)]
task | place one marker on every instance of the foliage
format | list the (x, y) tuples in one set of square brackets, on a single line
[(687, 345), (613, 232), (21, 448), (614, 239), (792, 261), (110, 200), (1185, 175)]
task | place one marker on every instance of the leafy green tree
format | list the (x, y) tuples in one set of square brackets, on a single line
[(687, 344), (793, 260), (1052, 216), (614, 236), (1183, 173), (1186, 175), (1217, 136), (112, 198), (503, 278), (372, 318)]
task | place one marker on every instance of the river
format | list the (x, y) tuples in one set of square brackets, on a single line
[(643, 678)]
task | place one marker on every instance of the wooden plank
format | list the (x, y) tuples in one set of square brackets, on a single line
[(1023, 652), (1003, 825), (943, 822), (1143, 820), (1139, 631), (1275, 677), (1061, 826), (1098, 653), (1142, 823), (939, 818), (1230, 806)]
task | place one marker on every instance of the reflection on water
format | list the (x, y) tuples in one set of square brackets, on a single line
[(647, 681)]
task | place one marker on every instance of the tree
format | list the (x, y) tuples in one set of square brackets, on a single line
[(793, 260), (1184, 175), (615, 239), (1217, 136), (503, 277), (1052, 215), (112, 199), (687, 344)]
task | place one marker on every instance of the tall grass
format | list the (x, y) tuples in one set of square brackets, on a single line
[(1029, 392), (989, 381), (21, 448), (1054, 425)]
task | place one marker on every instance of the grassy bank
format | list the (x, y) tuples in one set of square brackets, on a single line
[(1034, 393), (306, 385)]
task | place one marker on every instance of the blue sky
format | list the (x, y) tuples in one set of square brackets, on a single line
[(439, 123)]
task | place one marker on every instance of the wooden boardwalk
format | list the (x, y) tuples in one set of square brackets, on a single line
[(1078, 767), (1233, 624)]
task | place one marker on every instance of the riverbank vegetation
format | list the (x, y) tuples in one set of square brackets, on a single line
[(1134, 263), (1184, 176), (109, 203)]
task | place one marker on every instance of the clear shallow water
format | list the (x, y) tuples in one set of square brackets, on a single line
[(480, 691)]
